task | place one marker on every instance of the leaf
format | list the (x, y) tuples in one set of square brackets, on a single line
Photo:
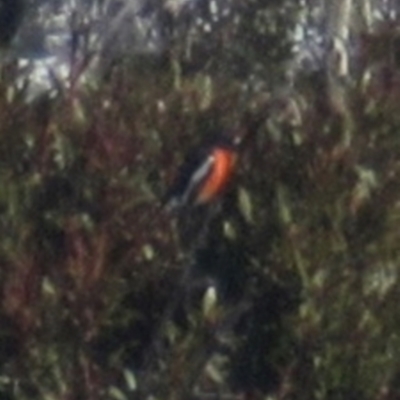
[(245, 205)]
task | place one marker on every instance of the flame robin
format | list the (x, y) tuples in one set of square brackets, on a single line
[(204, 175), (207, 171)]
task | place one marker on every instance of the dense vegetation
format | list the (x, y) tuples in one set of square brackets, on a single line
[(303, 248)]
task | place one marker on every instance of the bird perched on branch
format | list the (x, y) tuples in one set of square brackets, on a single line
[(204, 178), (208, 170), (204, 175)]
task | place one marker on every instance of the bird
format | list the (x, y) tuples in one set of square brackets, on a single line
[(204, 175), (207, 170)]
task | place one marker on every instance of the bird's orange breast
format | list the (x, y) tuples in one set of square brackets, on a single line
[(219, 176)]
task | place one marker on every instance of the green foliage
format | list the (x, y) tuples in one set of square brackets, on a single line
[(308, 235)]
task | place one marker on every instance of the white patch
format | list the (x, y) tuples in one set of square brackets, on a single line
[(198, 176)]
